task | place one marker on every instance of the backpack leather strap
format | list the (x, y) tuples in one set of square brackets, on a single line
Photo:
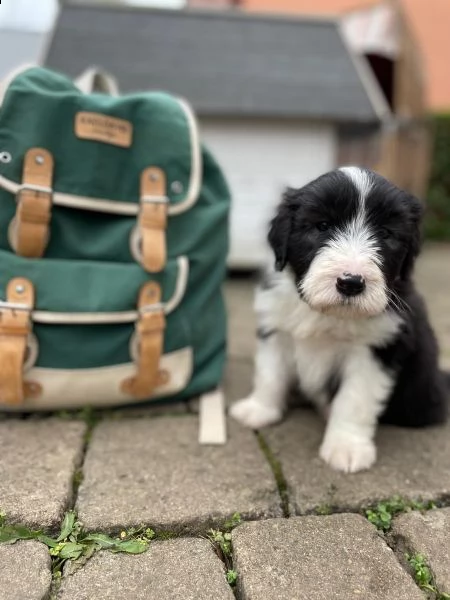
[(152, 221), (150, 330), (15, 327), (30, 231)]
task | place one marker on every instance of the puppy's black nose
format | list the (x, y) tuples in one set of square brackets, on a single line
[(350, 285)]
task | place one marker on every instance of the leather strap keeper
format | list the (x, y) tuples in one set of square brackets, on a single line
[(15, 327), (34, 204), (152, 221), (150, 330)]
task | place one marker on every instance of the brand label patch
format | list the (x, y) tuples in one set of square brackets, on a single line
[(103, 128)]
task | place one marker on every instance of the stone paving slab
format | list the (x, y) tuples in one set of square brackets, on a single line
[(239, 295), (238, 379), (154, 471), (339, 557), (411, 463), (184, 569), (37, 462), (24, 571), (428, 534), (433, 281)]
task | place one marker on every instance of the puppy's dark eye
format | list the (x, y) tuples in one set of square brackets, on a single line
[(385, 233), (323, 226)]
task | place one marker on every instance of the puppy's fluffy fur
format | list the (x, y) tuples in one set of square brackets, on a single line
[(340, 317)]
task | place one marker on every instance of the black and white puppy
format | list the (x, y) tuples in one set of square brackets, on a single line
[(340, 317)]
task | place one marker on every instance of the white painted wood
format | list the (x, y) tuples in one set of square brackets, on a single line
[(213, 424), (260, 157)]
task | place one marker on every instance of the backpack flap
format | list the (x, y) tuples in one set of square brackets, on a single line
[(103, 147)]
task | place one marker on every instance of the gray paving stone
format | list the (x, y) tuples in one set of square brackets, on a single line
[(154, 471), (428, 534), (184, 569), (433, 280), (37, 462), (411, 463), (236, 382), (24, 571), (339, 557), (150, 409), (239, 293), (238, 379)]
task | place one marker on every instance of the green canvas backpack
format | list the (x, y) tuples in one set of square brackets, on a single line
[(113, 245)]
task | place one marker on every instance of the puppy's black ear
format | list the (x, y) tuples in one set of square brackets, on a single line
[(416, 211), (280, 229)]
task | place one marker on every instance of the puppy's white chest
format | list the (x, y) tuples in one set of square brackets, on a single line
[(316, 363)]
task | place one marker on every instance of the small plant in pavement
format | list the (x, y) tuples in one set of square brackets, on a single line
[(74, 544), (221, 541), (382, 514), (424, 576)]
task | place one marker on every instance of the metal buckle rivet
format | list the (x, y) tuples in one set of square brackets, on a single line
[(39, 159), (5, 157), (177, 187), (20, 289)]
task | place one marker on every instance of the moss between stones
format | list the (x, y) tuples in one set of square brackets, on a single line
[(277, 471)]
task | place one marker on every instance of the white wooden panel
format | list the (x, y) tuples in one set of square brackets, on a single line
[(260, 158)]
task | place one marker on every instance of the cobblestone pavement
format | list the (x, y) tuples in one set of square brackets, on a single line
[(304, 533)]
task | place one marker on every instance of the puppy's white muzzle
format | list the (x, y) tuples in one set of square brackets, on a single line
[(346, 280)]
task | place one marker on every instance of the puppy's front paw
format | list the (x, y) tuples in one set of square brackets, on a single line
[(348, 453), (252, 413)]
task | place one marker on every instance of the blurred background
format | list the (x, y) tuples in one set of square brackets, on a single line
[(283, 89)]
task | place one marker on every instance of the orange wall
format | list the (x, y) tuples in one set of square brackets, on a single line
[(305, 6), (429, 20)]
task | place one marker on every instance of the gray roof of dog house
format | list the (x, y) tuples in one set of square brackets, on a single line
[(226, 63)]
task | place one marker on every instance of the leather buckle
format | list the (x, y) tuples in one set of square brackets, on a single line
[(149, 342), (15, 332), (29, 230)]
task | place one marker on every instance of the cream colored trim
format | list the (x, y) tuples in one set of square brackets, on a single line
[(80, 202), (98, 318), (213, 430), (128, 208), (75, 388), (84, 318), (196, 163), (32, 352), (97, 204), (87, 80)]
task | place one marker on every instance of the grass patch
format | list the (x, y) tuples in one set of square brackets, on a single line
[(277, 471), (437, 214), (221, 539), (166, 535), (87, 414), (221, 542), (424, 577), (323, 510), (77, 479), (382, 514), (74, 545)]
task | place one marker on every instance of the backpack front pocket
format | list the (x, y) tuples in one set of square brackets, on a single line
[(98, 333)]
